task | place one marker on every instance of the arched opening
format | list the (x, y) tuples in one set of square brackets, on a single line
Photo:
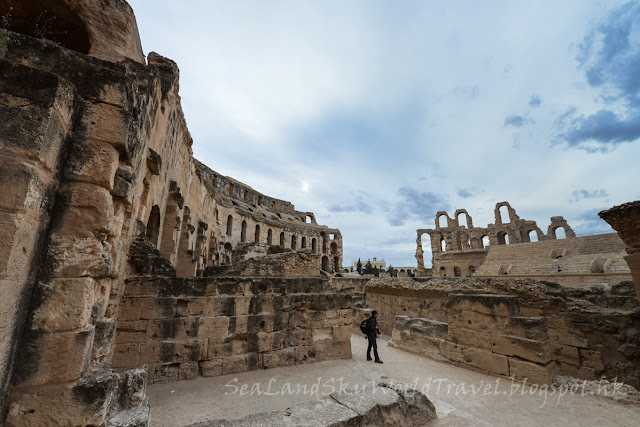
[(503, 238), (229, 225), (282, 239), (294, 241), (314, 245), (457, 272), (153, 226), (308, 219), (232, 189), (257, 234), (443, 272), (485, 242), (503, 211), (472, 270), (325, 263), (48, 19), (243, 232), (303, 243), (464, 217), (443, 244), (560, 233), (246, 195), (336, 264), (402, 270), (442, 221), (334, 248), (228, 247), (533, 236)]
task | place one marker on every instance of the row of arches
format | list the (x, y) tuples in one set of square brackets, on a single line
[(326, 264), (457, 271)]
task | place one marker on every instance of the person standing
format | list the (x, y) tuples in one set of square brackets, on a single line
[(372, 332)]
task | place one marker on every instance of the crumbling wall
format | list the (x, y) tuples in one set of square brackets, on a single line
[(514, 246), (183, 328), (287, 264), (512, 327)]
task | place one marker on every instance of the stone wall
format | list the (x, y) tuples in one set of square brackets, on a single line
[(183, 328), (95, 154), (512, 327), (514, 246)]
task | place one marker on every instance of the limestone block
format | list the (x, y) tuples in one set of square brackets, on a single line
[(56, 357), (532, 350), (188, 371), (66, 304), (88, 210), (24, 187), (533, 372), (184, 350), (235, 364), (18, 238), (342, 333), (564, 353), (328, 349), (582, 372), (224, 306), (129, 309), (175, 328), (213, 327), (283, 357), (591, 359), (106, 123), (534, 328), (104, 338), (127, 355), (494, 305), (486, 360), (475, 320), (242, 305), (157, 308), (469, 337), (238, 324), (452, 351), (211, 368), (93, 162), (75, 256)]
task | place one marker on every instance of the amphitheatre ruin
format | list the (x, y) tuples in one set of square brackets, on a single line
[(138, 284)]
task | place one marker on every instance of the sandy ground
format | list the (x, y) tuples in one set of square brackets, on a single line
[(496, 401)]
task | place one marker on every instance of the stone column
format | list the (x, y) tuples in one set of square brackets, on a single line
[(625, 219), (420, 256)]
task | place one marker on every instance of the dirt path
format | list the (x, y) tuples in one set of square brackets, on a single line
[(494, 404)]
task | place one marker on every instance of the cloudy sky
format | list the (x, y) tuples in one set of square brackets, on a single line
[(377, 114)]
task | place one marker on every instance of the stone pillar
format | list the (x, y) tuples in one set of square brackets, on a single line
[(420, 256), (625, 219)]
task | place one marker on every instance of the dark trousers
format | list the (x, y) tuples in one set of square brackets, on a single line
[(374, 345)]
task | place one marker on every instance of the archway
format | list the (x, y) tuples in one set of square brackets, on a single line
[(243, 232), (270, 237), (257, 234), (472, 270), (282, 239), (456, 271), (443, 272), (153, 226), (560, 233), (503, 211), (503, 238), (442, 221), (485, 242), (443, 244), (229, 225), (325, 263), (533, 236), (314, 245), (294, 242), (334, 248), (464, 216)]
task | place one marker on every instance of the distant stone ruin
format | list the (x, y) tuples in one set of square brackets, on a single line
[(518, 248)]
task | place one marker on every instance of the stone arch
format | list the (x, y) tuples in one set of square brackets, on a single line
[(270, 237), (294, 241), (535, 237), (228, 247), (243, 232), (468, 220), (303, 242), (257, 234), (334, 248), (153, 226), (314, 245), (443, 271), (50, 19), (229, 225), (443, 244), (439, 222), (562, 234), (325, 263), (502, 237), (510, 213), (485, 241), (472, 270), (282, 239), (456, 271)]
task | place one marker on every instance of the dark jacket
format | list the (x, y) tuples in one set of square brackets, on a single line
[(372, 327)]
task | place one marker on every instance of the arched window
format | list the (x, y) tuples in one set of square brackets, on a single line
[(153, 225), (443, 244), (560, 233), (229, 225), (443, 272), (270, 237), (227, 247), (257, 234), (472, 270), (457, 272), (334, 248), (243, 233), (442, 221), (325, 263), (294, 241), (462, 216), (485, 242), (303, 243), (504, 214), (503, 238), (533, 236), (282, 239), (314, 245)]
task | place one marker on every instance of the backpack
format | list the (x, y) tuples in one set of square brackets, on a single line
[(364, 326)]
